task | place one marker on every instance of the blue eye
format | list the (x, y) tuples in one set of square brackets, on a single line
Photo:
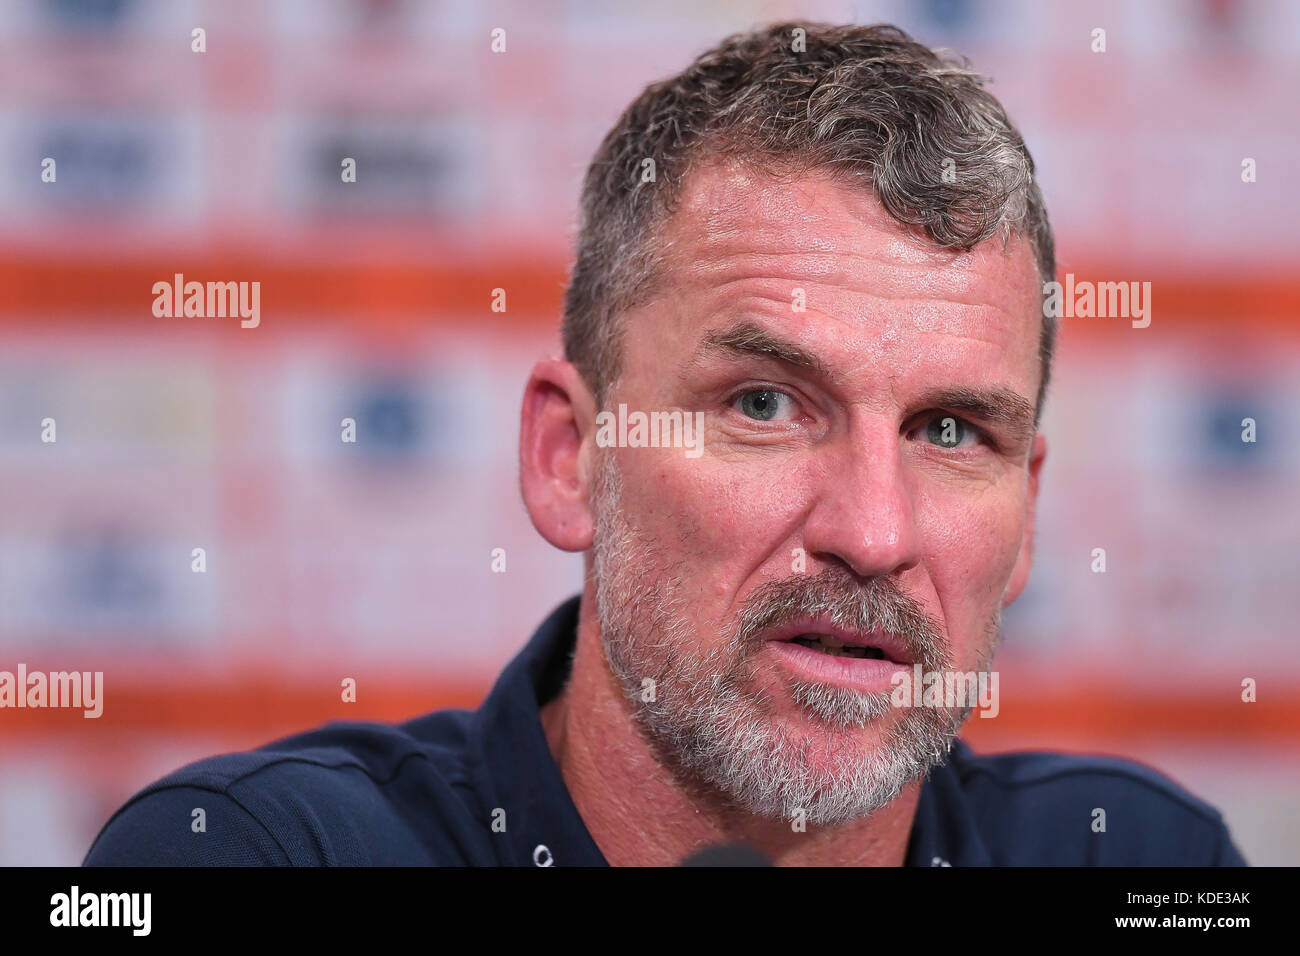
[(949, 431), (762, 405), (765, 405)]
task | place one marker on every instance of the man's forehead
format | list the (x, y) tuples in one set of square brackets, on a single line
[(735, 223)]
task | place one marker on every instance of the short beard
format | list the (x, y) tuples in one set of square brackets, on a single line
[(701, 713)]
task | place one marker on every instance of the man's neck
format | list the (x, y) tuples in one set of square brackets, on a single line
[(640, 814)]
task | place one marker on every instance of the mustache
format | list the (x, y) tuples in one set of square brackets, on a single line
[(873, 604)]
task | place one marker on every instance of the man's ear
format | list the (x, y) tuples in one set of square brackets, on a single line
[(558, 412), (1020, 573)]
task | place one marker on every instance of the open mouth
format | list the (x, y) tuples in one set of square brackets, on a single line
[(815, 649), (837, 648)]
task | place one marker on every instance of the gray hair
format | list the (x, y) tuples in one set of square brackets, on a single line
[(867, 104)]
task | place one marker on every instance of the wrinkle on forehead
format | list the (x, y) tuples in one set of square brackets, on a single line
[(734, 224)]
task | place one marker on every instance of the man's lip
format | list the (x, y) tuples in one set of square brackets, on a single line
[(891, 645)]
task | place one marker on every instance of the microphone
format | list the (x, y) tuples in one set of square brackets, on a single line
[(726, 854)]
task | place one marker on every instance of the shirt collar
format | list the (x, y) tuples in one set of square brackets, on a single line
[(944, 831), (517, 773)]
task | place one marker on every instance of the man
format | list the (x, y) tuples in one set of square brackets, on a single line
[(795, 432)]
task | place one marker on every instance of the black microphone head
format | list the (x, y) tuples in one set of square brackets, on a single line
[(728, 854)]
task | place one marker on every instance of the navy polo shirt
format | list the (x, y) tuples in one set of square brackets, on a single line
[(480, 788)]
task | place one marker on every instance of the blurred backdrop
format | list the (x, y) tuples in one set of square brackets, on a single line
[(373, 560)]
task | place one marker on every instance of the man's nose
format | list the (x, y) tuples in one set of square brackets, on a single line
[(864, 513)]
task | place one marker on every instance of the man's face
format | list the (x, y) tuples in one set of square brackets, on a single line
[(866, 479)]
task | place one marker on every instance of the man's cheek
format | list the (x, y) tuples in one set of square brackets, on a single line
[(683, 516), (724, 510), (971, 551)]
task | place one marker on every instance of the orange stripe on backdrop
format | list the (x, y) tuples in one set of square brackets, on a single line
[(1106, 711), (265, 708), (37, 290), (259, 705)]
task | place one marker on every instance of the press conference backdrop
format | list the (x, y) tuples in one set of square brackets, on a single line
[(324, 561)]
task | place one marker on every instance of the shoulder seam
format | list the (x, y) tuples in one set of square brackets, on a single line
[(150, 791), (346, 765)]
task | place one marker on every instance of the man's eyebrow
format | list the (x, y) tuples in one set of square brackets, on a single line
[(1000, 406), (747, 338)]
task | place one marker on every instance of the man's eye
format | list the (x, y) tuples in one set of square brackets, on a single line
[(949, 431), (765, 404)]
